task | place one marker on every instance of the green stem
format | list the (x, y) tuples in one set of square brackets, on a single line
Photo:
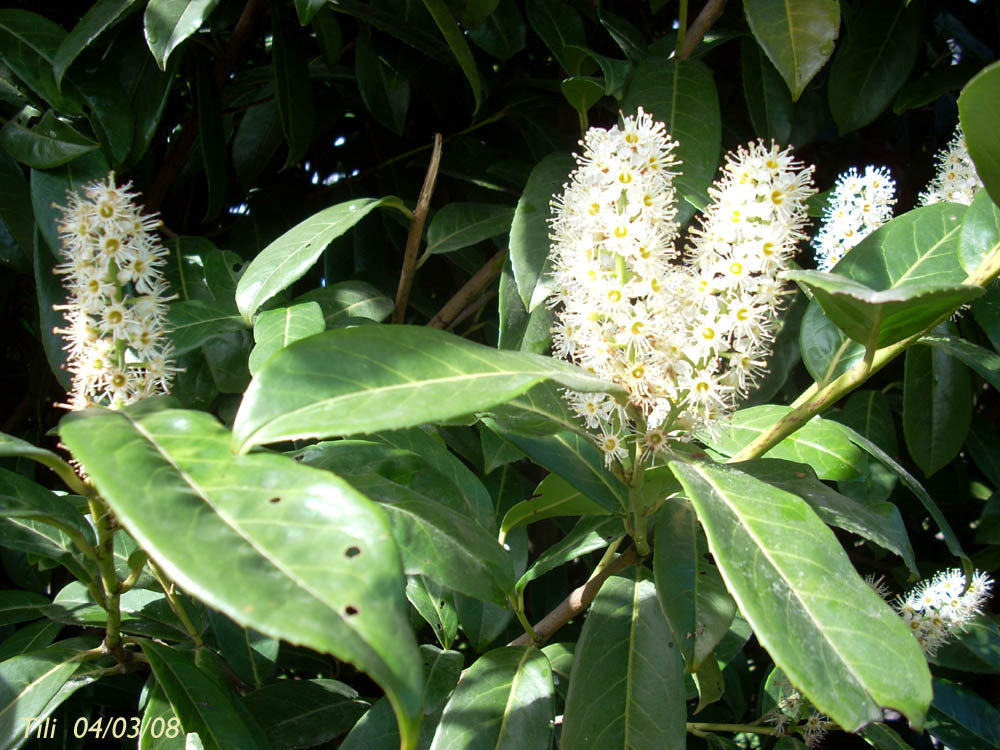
[(640, 513), (682, 18), (517, 604), (105, 557), (135, 570), (175, 604), (698, 727)]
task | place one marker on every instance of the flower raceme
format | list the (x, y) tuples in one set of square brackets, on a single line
[(956, 179), (118, 350), (858, 205), (685, 340), (935, 609)]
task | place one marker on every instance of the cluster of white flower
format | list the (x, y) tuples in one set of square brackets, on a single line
[(684, 340), (956, 179), (858, 205), (118, 350), (793, 710), (936, 608)]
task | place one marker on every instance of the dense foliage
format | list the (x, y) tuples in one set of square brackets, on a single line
[(346, 408)]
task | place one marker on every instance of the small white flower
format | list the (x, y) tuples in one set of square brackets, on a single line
[(956, 179), (936, 608), (858, 205)]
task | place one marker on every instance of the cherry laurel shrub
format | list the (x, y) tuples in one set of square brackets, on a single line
[(589, 439)]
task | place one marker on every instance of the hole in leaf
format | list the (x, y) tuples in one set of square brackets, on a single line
[(275, 500), (350, 610), (352, 551)]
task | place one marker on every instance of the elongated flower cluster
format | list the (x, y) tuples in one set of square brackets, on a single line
[(858, 205), (118, 350), (793, 710), (685, 341), (956, 179), (937, 608)]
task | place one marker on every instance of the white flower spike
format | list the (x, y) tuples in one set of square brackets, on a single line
[(858, 205), (956, 179)]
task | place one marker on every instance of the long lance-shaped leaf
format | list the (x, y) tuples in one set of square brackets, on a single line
[(825, 627), (372, 378), (307, 558)]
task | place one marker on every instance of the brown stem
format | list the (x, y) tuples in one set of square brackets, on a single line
[(578, 600), (416, 231), (696, 32), (474, 286)]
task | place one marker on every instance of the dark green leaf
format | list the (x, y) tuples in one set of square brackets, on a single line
[(435, 604), (50, 143), (962, 719), (682, 94), (978, 110), (552, 498), (21, 606), (307, 9), (768, 101), (112, 119), (28, 44), (256, 140), (502, 34), (212, 137), (412, 374), (12, 446), (459, 225), (868, 412), (558, 25), (976, 648), (293, 90), (275, 329), (16, 212), (148, 89), (345, 300), (455, 38), (936, 83), (169, 22), (385, 91), (590, 533), (304, 713), (827, 352), (779, 559), (193, 322), (582, 92), (797, 37), (28, 638), (882, 737), (540, 411), (160, 714), (873, 62), (313, 554), (626, 689), (983, 361), (99, 18), (250, 654)]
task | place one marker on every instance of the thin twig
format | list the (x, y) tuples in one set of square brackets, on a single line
[(416, 231), (708, 15), (578, 600), (469, 291)]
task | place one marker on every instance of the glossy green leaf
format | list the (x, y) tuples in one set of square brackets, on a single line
[(20, 606), (16, 213), (434, 530), (827, 352), (212, 139), (436, 605), (502, 34), (589, 534), (626, 689), (689, 588), (307, 9), (881, 318), (256, 140), (778, 560), (682, 94), (26, 530), (768, 100), (582, 93), (822, 444), (287, 259), (144, 612), (980, 234), (99, 18), (345, 300), (292, 87), (873, 62), (193, 322), (937, 82), (962, 719), (275, 329), (203, 706), (28, 638), (112, 118), (250, 654), (937, 406), (160, 714), (148, 89), (21, 497), (559, 26), (868, 413), (503, 702), (797, 37), (882, 737), (576, 459), (497, 452), (540, 411), (985, 362), (880, 523), (412, 375), (529, 229), (455, 38), (553, 497), (50, 143), (459, 225), (11, 446), (978, 110), (29, 43), (976, 648), (167, 23), (384, 90), (304, 713), (327, 562)]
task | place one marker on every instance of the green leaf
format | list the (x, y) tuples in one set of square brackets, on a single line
[(559, 26), (553, 497), (292, 87), (768, 101), (682, 94), (193, 322), (11, 446), (307, 9), (589, 534), (582, 93), (797, 37), (255, 141), (576, 459), (413, 375), (345, 300), (978, 110), (459, 225), (540, 411), (691, 592), (51, 143), (212, 137), (204, 706), (169, 22), (503, 702), (276, 329), (304, 713), (626, 689), (435, 533), (112, 118), (821, 443), (980, 359), (28, 44), (287, 258), (502, 34), (960, 718), (28, 638), (295, 536), (827, 352), (384, 90), (99, 18), (881, 318), (882, 737), (980, 235), (20, 606), (455, 38), (934, 84), (16, 213), (529, 229), (436, 605), (144, 612), (873, 62), (250, 654), (779, 561), (868, 412), (148, 89), (159, 713), (20, 530), (23, 498), (976, 648), (937, 406), (880, 523)]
